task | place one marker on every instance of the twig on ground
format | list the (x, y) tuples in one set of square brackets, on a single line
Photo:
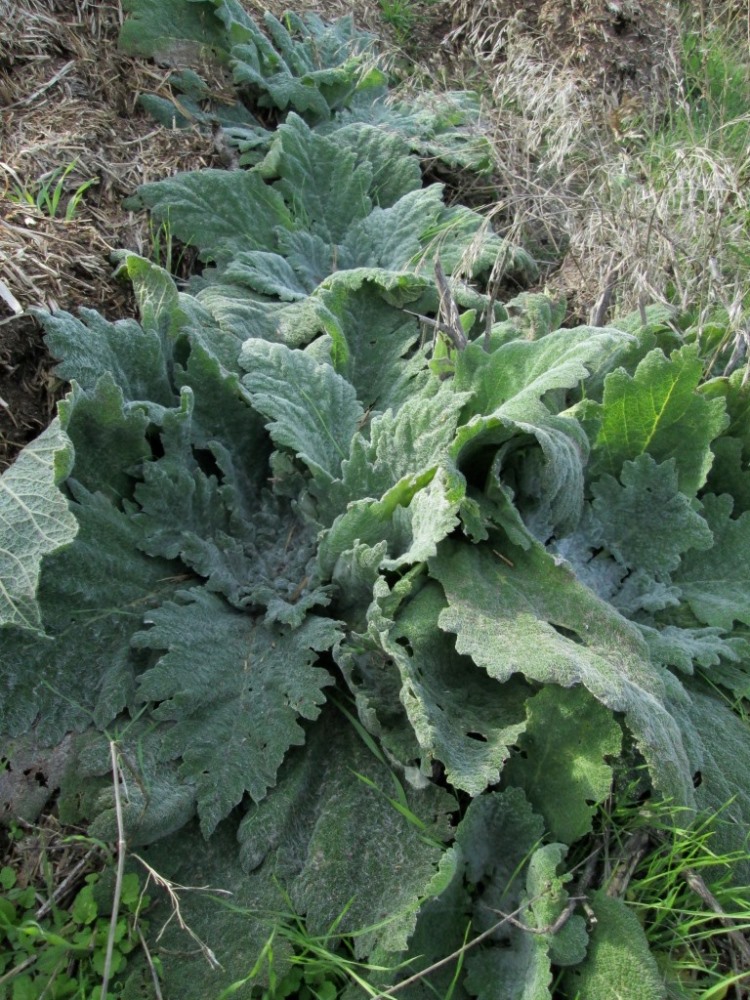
[(152, 967), (121, 847), (171, 888)]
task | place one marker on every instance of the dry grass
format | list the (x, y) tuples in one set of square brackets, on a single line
[(69, 95), (624, 192)]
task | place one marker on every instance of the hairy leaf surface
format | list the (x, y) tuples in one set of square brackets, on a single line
[(659, 411), (34, 521), (235, 689), (531, 616), (314, 410), (562, 768), (716, 584)]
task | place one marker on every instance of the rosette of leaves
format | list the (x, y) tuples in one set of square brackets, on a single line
[(373, 632), (252, 542), (329, 74)]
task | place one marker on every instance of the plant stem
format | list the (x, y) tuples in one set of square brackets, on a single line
[(121, 845)]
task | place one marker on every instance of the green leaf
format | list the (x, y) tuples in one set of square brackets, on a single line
[(716, 584), (393, 237), (513, 403), (531, 615), (619, 964), (93, 595), (84, 909), (229, 916), (34, 521), (516, 375), (313, 410), (137, 359), (325, 183), (522, 969), (158, 802), (686, 648), (109, 438), (718, 742), (395, 172), (659, 411), (455, 709), (562, 766), (307, 65), (409, 442), (223, 212), (643, 519), (344, 852), (234, 689), (373, 344), (172, 30)]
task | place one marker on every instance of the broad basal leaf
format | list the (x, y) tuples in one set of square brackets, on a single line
[(517, 374), (93, 596), (716, 584), (235, 689), (137, 359), (461, 717), (313, 410), (659, 411), (718, 742), (619, 964), (347, 842), (525, 614), (523, 969), (174, 31), (373, 344), (325, 184), (643, 519), (562, 766), (222, 212), (513, 403), (405, 443), (34, 521), (307, 65)]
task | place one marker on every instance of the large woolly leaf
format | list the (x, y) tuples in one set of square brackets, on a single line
[(158, 802), (516, 375), (405, 443), (326, 185), (314, 411), (177, 31), (562, 765), (716, 584), (34, 521), (348, 842), (137, 359), (718, 742), (659, 411), (373, 344), (220, 211), (513, 403), (230, 915), (393, 237), (523, 971), (93, 595), (460, 716), (235, 689), (643, 519), (525, 613), (306, 65), (619, 964)]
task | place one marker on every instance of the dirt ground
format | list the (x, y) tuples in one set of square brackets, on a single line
[(68, 102)]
